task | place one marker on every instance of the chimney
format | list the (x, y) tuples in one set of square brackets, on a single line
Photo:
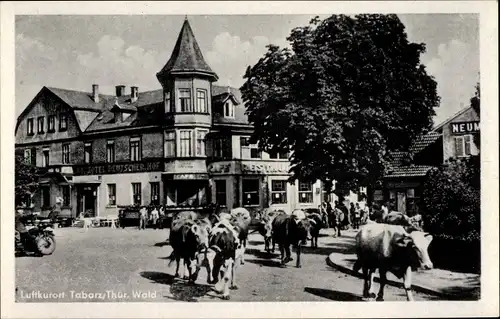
[(120, 90), (95, 93), (134, 93)]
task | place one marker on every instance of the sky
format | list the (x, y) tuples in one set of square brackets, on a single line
[(74, 52)]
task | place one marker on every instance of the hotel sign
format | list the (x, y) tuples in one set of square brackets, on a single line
[(118, 168), (465, 127)]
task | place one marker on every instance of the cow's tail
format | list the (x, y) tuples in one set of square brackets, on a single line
[(171, 258)]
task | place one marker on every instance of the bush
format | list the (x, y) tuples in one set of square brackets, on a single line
[(451, 203)]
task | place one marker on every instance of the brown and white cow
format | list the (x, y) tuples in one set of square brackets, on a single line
[(265, 227), (390, 248)]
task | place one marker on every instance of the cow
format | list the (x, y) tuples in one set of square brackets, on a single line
[(317, 223), (390, 248), (187, 239), (289, 230), (240, 220), (265, 227), (221, 257), (185, 215), (398, 218)]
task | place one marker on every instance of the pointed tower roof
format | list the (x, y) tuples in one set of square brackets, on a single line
[(186, 57)]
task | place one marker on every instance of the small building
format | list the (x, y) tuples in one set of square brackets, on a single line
[(402, 185), (184, 145)]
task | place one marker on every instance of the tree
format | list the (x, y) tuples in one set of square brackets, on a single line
[(349, 91), (451, 200), (27, 180)]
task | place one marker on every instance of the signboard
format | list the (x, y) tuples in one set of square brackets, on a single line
[(220, 168), (265, 168), (190, 176), (118, 168), (465, 127)]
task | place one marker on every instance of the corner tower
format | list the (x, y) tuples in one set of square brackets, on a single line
[(187, 80)]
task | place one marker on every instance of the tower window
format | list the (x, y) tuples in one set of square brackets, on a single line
[(201, 101), (185, 100)]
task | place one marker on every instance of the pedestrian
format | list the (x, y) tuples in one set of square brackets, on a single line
[(338, 219), (329, 213), (155, 215), (352, 212), (143, 213), (357, 216), (161, 217)]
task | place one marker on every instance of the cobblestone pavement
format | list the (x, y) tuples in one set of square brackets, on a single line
[(106, 264)]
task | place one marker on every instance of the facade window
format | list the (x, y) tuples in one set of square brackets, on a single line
[(279, 155), (87, 149), (229, 109), (110, 151), (27, 156), (52, 123), (201, 101), (305, 192), (66, 195), (30, 126), (63, 122), (201, 149), (65, 153), (392, 200), (249, 150), (41, 125), (220, 192), (136, 193), (278, 192), (170, 144), (412, 199), (185, 144), (46, 158), (251, 191), (45, 196), (185, 100), (155, 193), (221, 147), (463, 145), (135, 149), (168, 103), (111, 194)]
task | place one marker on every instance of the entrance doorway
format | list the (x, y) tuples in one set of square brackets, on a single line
[(87, 200)]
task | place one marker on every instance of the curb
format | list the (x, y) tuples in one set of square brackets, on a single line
[(417, 288)]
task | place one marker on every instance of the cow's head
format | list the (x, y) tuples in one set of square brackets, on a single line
[(304, 229), (201, 234), (417, 243)]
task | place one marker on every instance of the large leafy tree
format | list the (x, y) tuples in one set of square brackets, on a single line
[(26, 179), (349, 91)]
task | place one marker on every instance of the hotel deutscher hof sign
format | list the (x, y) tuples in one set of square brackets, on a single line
[(118, 168)]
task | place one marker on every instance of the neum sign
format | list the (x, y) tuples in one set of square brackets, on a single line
[(117, 168), (465, 127)]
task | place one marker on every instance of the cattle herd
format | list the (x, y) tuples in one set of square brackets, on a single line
[(217, 242)]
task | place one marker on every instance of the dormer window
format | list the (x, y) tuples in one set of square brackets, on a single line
[(41, 125), (52, 123), (30, 126), (185, 100), (229, 109)]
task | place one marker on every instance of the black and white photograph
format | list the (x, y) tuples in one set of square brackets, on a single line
[(174, 157)]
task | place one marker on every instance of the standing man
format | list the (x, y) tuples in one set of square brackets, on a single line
[(143, 215), (154, 217), (357, 216)]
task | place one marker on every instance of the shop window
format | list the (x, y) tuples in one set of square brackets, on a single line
[(45, 196), (201, 149), (66, 195), (46, 158), (170, 144), (30, 126), (185, 100), (52, 123), (110, 151), (65, 153), (136, 193), (251, 191), (155, 193), (135, 149), (41, 125), (87, 149), (278, 192), (63, 122), (305, 192), (201, 101), (220, 192), (279, 155), (185, 147), (463, 145), (249, 151)]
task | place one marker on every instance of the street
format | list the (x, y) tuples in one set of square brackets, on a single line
[(108, 265)]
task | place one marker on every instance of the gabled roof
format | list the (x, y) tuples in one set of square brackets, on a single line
[(451, 118), (81, 100), (186, 56), (408, 171)]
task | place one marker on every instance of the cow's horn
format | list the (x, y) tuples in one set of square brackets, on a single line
[(312, 221), (215, 248)]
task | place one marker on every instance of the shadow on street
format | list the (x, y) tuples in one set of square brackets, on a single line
[(333, 294), (265, 262)]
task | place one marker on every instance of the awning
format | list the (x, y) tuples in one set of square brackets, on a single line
[(186, 176)]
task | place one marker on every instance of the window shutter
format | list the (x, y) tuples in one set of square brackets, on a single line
[(467, 144), (459, 146)]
